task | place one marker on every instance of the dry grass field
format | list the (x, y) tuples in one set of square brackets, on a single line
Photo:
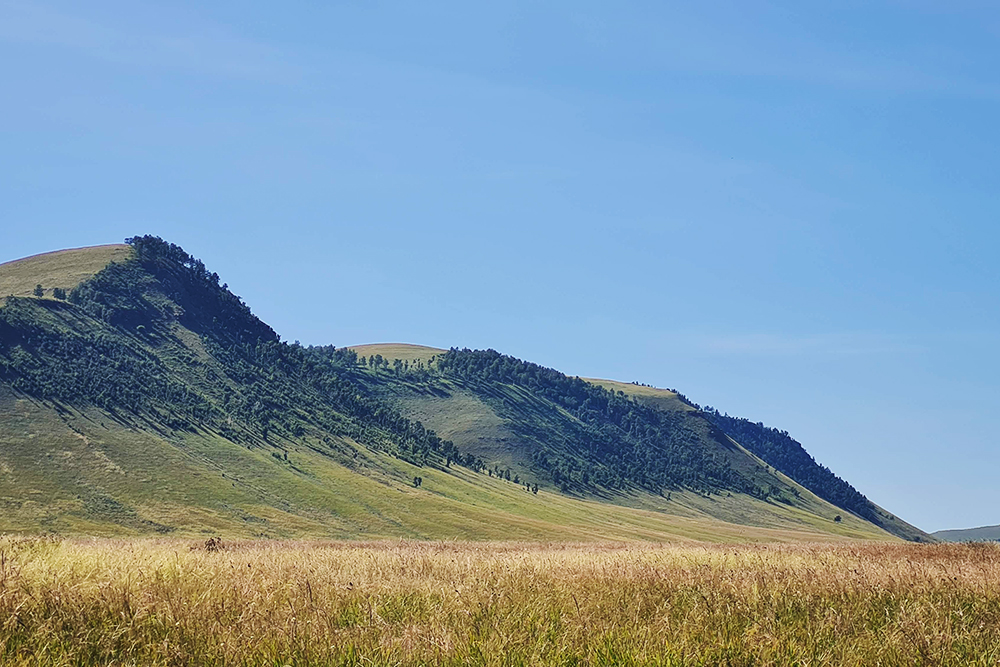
[(149, 602)]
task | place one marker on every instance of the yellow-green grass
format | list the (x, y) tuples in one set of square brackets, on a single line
[(401, 351), (662, 398), (461, 416), (464, 418), (62, 268), (71, 469), (665, 399), (81, 473), (175, 602)]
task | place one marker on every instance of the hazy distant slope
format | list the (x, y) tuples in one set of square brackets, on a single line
[(153, 400), (62, 268), (786, 454), (981, 534)]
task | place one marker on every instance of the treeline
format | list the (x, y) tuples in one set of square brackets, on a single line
[(591, 437), (102, 367), (786, 454)]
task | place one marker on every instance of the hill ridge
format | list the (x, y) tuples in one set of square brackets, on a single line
[(155, 347)]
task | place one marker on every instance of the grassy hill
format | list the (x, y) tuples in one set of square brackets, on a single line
[(777, 449), (63, 269), (151, 400), (473, 420)]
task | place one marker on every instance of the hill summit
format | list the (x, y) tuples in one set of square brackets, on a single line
[(138, 394)]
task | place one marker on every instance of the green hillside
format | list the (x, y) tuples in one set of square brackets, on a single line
[(470, 414), (151, 400), (777, 449)]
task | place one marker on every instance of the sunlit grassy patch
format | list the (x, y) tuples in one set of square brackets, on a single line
[(62, 268)]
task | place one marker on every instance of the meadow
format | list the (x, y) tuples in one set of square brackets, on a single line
[(177, 602)]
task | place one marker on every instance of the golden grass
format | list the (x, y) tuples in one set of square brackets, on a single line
[(62, 268), (401, 351), (664, 399), (294, 603)]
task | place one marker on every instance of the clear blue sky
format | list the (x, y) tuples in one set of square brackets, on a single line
[(786, 210)]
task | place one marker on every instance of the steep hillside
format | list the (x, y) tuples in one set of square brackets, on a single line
[(152, 400), (786, 454), (782, 452)]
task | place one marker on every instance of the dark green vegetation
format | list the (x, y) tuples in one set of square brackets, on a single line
[(777, 448), (982, 534), (152, 399)]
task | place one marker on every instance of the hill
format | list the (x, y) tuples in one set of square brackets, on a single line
[(471, 414), (63, 269), (152, 400), (982, 534)]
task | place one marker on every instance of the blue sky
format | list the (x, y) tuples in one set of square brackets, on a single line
[(785, 210)]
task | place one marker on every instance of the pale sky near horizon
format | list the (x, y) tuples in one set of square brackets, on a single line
[(785, 210)]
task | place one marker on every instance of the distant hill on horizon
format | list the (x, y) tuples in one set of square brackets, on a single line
[(139, 395), (980, 534)]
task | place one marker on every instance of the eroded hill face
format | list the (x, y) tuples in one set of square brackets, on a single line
[(152, 400)]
